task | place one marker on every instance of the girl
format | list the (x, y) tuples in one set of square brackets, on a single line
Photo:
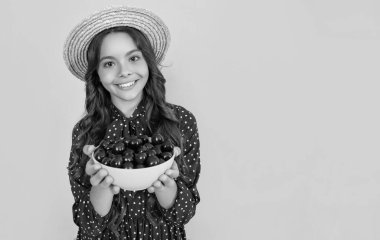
[(116, 53)]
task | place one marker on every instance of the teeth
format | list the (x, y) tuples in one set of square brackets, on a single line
[(125, 85)]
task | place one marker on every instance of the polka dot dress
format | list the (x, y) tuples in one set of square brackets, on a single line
[(135, 224)]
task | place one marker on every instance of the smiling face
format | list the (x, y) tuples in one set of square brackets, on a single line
[(122, 69)]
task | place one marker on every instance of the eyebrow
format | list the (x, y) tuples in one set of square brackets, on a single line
[(128, 53)]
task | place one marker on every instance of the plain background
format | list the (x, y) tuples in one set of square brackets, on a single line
[(286, 95)]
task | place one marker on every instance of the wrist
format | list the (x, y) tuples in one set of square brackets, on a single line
[(166, 198), (101, 199)]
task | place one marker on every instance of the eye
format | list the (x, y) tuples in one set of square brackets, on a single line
[(134, 58), (108, 64)]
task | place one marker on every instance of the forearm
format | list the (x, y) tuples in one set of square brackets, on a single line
[(84, 214), (184, 206), (101, 199)]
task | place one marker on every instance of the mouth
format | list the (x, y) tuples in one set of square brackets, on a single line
[(126, 85)]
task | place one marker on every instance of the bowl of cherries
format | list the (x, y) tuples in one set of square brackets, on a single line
[(135, 162)]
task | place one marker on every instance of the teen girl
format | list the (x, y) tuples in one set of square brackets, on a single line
[(116, 52)]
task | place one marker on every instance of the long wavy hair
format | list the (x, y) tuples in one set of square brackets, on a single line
[(160, 115)]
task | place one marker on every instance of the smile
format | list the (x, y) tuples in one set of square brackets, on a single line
[(126, 85)]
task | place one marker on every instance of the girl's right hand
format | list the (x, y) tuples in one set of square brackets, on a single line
[(98, 175)]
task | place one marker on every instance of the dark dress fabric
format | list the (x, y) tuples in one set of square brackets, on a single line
[(135, 224)]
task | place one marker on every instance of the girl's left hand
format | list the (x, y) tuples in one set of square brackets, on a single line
[(167, 180)]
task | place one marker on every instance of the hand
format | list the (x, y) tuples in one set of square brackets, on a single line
[(167, 180), (98, 175)]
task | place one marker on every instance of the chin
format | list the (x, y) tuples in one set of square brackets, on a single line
[(129, 97)]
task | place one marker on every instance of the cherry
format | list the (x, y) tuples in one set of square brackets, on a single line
[(99, 153), (118, 161), (157, 148), (160, 160), (111, 155), (106, 143), (119, 147), (166, 155), (144, 138), (142, 148), (107, 161), (128, 165), (148, 145), (135, 143), (128, 139), (128, 157), (151, 152), (139, 166), (152, 161), (129, 151), (140, 158), (167, 146), (133, 152), (157, 139)]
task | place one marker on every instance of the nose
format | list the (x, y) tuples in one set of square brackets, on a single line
[(124, 70)]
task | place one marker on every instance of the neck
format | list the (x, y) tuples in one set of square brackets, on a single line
[(127, 107)]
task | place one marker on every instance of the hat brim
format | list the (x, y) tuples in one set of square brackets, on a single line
[(76, 45)]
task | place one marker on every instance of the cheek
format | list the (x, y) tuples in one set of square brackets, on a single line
[(100, 74), (144, 70), (141, 68), (104, 84), (105, 76), (146, 74)]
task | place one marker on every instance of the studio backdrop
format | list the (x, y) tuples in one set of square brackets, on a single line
[(286, 96)]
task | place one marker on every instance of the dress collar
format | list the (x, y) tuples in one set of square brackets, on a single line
[(138, 112)]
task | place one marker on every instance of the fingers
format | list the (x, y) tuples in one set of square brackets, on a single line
[(177, 151), (173, 172), (88, 149), (166, 180), (151, 189), (106, 181), (161, 183), (115, 189), (174, 166), (98, 177), (92, 168), (156, 186)]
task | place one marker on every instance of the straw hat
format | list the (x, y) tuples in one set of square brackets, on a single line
[(76, 45)]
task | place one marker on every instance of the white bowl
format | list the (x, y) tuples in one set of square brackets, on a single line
[(136, 179)]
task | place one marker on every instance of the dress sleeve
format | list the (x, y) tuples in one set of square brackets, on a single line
[(84, 215), (187, 195)]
